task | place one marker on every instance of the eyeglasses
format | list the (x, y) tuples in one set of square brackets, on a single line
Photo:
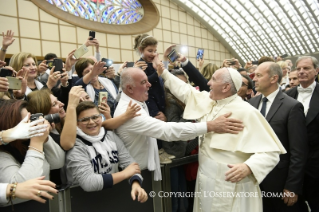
[(86, 120), (243, 84)]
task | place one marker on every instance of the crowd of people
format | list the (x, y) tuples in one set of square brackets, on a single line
[(254, 127)]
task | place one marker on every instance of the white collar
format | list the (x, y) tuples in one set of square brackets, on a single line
[(312, 86), (271, 97), (226, 100)]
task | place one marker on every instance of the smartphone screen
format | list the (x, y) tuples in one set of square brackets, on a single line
[(58, 63), (129, 64), (80, 51), (172, 56), (92, 34), (200, 54)]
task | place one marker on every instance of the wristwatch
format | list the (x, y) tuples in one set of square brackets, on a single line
[(2, 49)]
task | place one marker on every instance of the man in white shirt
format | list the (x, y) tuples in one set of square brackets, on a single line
[(308, 94), (140, 133), (285, 116)]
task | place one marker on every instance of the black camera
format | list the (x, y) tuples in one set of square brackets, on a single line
[(50, 117)]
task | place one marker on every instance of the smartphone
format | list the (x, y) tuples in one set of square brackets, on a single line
[(14, 83), (102, 97), (172, 56), (80, 51), (107, 61), (200, 54), (58, 63), (5, 72), (129, 64), (92, 34), (50, 64), (35, 117), (284, 55)]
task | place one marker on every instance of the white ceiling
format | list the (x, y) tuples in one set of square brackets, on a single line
[(252, 29)]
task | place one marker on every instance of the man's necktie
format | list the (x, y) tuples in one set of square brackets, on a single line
[(304, 90), (263, 108)]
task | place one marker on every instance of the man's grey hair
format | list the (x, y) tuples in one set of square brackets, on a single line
[(126, 78), (313, 59), (226, 78), (275, 69)]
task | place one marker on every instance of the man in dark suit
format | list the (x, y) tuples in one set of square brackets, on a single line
[(285, 116), (308, 94)]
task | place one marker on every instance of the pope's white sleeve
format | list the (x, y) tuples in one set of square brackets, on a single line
[(262, 163), (177, 87)]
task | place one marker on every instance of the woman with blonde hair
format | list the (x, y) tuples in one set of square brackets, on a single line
[(208, 70), (285, 68), (28, 62)]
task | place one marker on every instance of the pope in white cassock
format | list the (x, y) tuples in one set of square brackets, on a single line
[(233, 163)]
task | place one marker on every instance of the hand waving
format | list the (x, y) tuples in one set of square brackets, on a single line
[(7, 39)]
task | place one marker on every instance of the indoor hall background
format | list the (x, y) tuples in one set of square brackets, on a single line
[(39, 33)]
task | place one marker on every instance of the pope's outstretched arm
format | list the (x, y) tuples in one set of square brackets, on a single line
[(178, 88)]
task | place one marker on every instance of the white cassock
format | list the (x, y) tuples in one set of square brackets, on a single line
[(257, 146)]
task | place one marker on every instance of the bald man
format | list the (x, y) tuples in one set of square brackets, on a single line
[(285, 116)]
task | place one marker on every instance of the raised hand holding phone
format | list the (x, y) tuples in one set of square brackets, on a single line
[(172, 56), (129, 64), (141, 64), (58, 64), (103, 106), (92, 35), (167, 51), (81, 51), (70, 61), (14, 83), (23, 76)]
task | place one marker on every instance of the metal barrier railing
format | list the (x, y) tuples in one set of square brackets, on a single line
[(166, 177), (63, 200)]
